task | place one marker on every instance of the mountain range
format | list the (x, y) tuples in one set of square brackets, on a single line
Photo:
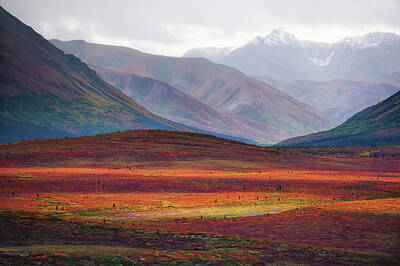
[(48, 94), (271, 112), (281, 56), (376, 125)]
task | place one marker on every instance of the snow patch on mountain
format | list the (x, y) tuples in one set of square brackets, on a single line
[(322, 62)]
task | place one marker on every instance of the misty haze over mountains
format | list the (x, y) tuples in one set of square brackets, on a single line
[(356, 71), (349, 96), (269, 115), (280, 55)]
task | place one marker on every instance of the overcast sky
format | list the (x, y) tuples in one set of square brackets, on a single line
[(170, 27)]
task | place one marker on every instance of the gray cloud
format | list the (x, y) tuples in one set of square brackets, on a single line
[(172, 27)]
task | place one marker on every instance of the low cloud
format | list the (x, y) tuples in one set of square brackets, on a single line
[(171, 27)]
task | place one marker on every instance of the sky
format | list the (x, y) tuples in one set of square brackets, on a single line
[(171, 27)]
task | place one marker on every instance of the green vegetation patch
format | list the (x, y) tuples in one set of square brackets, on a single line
[(368, 153), (23, 177)]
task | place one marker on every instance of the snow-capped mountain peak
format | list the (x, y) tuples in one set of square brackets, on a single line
[(277, 38), (281, 56), (373, 39), (322, 62)]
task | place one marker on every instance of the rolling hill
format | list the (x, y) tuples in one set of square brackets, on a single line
[(350, 96), (46, 93), (174, 150), (376, 125), (250, 101)]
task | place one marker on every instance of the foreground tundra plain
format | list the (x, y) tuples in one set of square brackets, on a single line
[(171, 197)]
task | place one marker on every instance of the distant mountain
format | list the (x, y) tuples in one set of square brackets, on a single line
[(376, 125), (252, 102), (211, 53), (46, 93), (393, 79), (350, 97), (281, 56), (169, 102)]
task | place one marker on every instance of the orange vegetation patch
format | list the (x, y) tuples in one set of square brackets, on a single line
[(134, 190), (390, 206)]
